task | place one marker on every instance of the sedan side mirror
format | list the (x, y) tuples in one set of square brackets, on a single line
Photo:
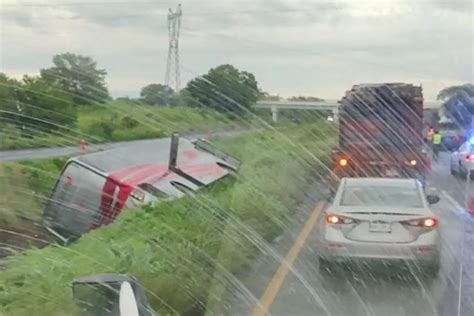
[(110, 294), (432, 199)]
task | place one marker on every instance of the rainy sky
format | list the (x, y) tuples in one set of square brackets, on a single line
[(293, 47)]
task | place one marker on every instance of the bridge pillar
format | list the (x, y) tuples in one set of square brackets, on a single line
[(335, 114), (274, 114)]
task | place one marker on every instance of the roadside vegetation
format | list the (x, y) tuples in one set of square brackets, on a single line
[(177, 249), (25, 185), (69, 101), (116, 121)]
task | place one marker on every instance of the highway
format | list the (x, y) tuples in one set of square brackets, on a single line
[(51, 152), (296, 285)]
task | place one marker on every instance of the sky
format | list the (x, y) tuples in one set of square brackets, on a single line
[(294, 47)]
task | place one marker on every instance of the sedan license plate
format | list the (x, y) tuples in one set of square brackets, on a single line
[(380, 227)]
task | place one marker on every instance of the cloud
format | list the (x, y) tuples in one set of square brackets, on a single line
[(462, 6), (293, 47)]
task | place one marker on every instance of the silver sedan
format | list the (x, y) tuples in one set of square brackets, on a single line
[(380, 220)]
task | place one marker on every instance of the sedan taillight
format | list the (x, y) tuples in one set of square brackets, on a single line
[(428, 222), (337, 219)]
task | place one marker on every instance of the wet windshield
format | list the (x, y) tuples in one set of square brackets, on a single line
[(381, 196), (196, 149)]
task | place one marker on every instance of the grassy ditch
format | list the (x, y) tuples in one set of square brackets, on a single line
[(175, 248), (25, 184)]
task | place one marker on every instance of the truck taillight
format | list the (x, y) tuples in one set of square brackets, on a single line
[(412, 162), (469, 157), (343, 162)]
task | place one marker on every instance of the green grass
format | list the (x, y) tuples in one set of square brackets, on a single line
[(24, 186), (116, 121), (177, 249)]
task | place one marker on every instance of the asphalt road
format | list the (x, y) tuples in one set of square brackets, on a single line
[(51, 152), (307, 290)]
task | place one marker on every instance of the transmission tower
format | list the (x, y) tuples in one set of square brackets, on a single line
[(172, 78)]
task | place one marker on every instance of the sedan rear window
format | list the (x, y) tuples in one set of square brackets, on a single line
[(390, 196)]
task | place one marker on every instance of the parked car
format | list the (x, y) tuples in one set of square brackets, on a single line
[(380, 220), (462, 160)]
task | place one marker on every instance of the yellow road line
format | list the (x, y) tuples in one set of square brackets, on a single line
[(276, 283)]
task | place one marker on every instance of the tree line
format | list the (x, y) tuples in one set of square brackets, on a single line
[(53, 97), (458, 105)]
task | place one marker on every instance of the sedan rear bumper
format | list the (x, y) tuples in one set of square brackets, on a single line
[(349, 252)]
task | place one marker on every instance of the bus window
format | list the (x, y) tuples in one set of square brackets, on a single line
[(75, 202), (153, 190)]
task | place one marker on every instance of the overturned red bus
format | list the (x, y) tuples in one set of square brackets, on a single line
[(93, 189)]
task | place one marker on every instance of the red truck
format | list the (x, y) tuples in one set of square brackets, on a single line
[(380, 133)]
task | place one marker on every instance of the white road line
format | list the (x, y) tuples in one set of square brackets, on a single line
[(460, 280), (461, 268), (458, 209)]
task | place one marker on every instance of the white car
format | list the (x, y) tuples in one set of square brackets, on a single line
[(462, 160), (381, 220)]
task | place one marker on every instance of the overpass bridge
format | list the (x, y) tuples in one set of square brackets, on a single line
[(326, 105)]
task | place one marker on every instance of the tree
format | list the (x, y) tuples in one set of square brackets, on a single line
[(7, 92), (448, 92), (460, 108), (224, 88), (8, 101), (265, 96), (78, 75), (308, 99), (157, 94), (183, 98), (42, 103), (35, 103)]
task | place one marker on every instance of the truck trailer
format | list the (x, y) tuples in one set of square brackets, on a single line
[(380, 133)]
